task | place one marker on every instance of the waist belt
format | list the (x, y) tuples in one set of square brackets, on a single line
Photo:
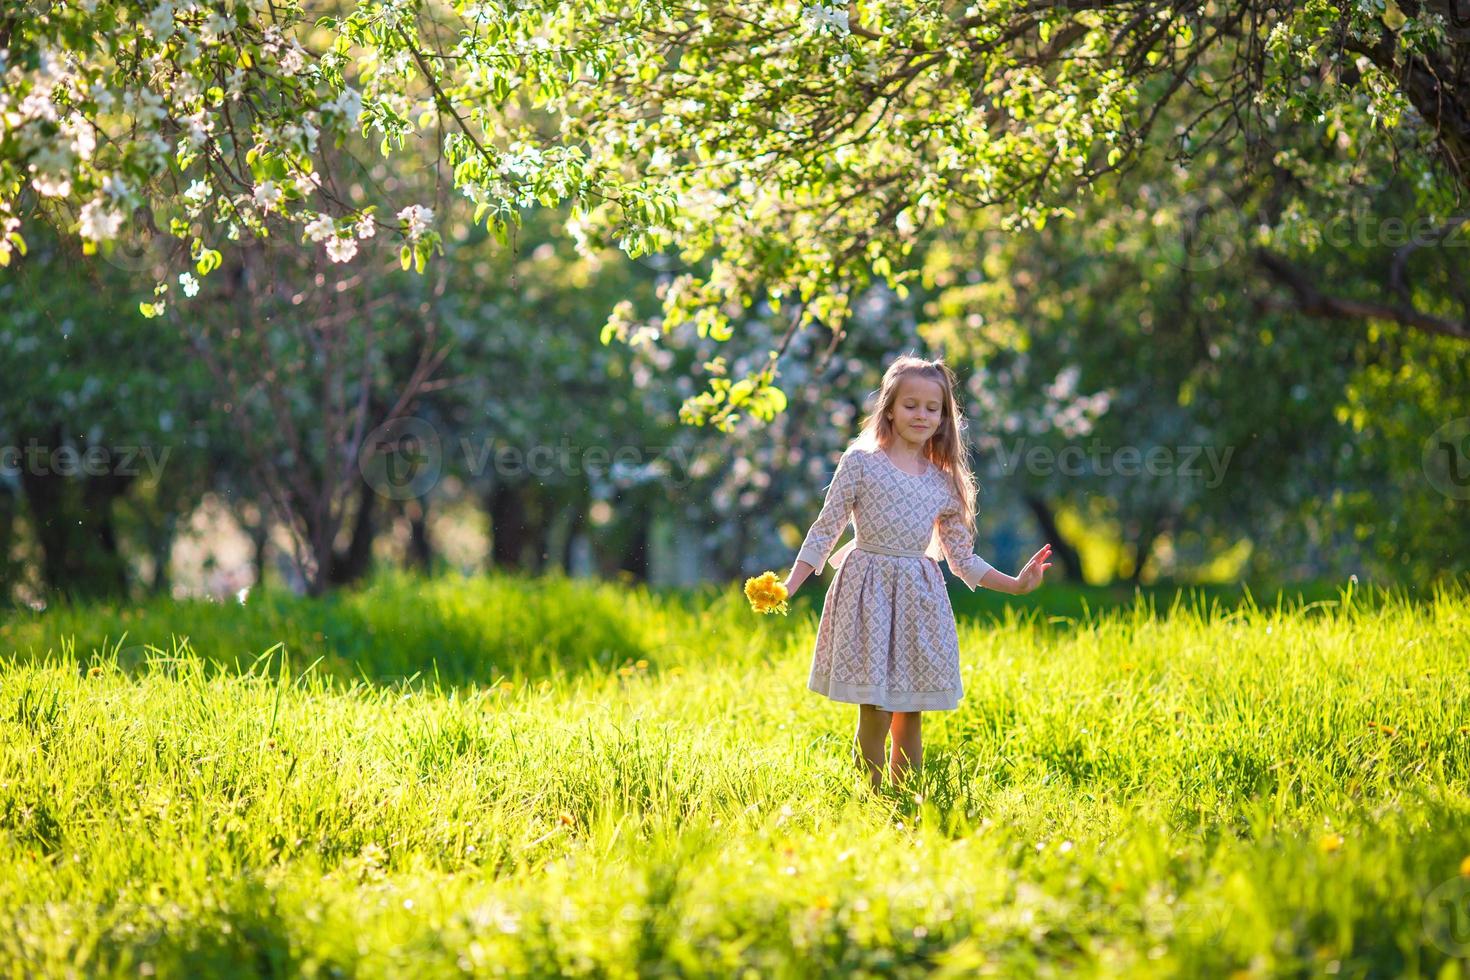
[(885, 550)]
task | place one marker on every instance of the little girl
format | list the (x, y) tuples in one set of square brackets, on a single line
[(887, 638)]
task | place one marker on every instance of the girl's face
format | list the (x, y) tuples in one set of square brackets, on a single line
[(918, 408)]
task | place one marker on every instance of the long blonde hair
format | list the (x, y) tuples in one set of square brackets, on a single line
[(946, 449)]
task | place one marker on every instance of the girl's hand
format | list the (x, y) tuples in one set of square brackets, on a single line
[(1030, 577), (799, 573)]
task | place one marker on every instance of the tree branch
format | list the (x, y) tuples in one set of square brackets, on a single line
[(1313, 302)]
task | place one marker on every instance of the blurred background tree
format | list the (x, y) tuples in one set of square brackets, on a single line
[(1223, 246)]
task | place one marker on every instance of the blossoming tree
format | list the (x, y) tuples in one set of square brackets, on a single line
[(797, 150)]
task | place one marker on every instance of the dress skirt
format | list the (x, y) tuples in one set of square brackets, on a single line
[(887, 635)]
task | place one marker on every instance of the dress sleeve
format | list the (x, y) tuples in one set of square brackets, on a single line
[(836, 511), (959, 546)]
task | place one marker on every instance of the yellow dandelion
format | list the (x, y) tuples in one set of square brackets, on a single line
[(1330, 843), (1465, 866), (95, 672), (766, 593), (642, 665), (626, 671), (567, 818)]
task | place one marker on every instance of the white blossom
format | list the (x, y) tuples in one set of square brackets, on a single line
[(217, 26), (83, 138), (146, 106), (98, 221), (50, 167), (51, 185), (521, 159), (160, 22), (267, 195), (365, 227), (190, 284), (905, 222), (235, 84), (198, 129), (198, 194), (294, 59), (156, 148), (418, 218), (117, 188), (819, 15), (348, 103), (102, 95), (341, 249), (305, 182), (321, 228)]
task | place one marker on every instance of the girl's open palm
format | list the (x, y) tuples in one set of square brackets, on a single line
[(1030, 576)]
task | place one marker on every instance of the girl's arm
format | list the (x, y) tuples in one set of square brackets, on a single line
[(958, 548), (835, 514), (976, 571), (799, 574)]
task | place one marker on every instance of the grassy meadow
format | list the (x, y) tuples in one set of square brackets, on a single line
[(496, 776)]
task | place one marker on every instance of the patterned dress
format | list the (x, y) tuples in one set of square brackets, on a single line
[(887, 633)]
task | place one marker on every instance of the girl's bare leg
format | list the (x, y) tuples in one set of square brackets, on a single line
[(908, 745), (868, 743)]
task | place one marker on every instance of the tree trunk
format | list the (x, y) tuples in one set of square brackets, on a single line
[(508, 526), (260, 533), (1070, 560), (74, 526), (420, 549), (1143, 546), (356, 562), (574, 528), (161, 546), (9, 570), (634, 557)]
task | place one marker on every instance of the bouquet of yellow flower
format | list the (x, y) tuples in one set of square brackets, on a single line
[(766, 593)]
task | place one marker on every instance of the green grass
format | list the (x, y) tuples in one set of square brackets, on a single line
[(346, 787)]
